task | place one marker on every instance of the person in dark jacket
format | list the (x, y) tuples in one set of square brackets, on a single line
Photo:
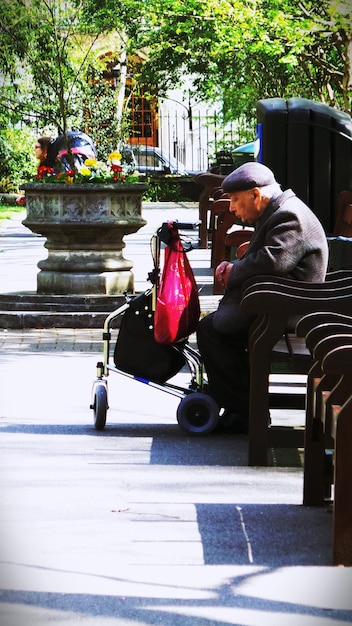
[(81, 145), (288, 241)]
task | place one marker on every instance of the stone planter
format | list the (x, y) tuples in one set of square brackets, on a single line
[(84, 226)]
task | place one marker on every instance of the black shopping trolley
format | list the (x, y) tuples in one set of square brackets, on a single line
[(139, 356)]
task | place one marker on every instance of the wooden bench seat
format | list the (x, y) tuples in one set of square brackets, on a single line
[(211, 189), (275, 301), (328, 433)]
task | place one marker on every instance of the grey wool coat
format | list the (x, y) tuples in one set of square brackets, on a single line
[(288, 241)]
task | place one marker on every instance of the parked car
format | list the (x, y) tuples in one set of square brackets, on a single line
[(152, 160)]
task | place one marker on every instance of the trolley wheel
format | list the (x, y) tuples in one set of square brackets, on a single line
[(100, 406), (198, 414)]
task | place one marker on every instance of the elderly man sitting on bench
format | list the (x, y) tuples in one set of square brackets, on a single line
[(288, 241)]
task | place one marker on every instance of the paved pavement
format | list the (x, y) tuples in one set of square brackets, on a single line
[(141, 524)]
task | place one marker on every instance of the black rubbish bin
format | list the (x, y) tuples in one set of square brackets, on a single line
[(308, 145), (224, 162)]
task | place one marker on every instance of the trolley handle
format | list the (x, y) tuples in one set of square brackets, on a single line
[(164, 229), (187, 225), (163, 235)]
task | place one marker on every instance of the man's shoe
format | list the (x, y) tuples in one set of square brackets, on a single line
[(237, 423), (232, 422)]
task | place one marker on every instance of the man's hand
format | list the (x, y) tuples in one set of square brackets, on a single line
[(222, 273)]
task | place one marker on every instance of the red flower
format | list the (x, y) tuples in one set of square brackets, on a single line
[(44, 170), (116, 168)]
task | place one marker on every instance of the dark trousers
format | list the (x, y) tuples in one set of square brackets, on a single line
[(226, 362)]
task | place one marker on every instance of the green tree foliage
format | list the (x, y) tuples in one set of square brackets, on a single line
[(241, 51), (108, 129), (46, 53), (235, 51)]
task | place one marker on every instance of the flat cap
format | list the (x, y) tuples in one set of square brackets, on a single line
[(248, 176)]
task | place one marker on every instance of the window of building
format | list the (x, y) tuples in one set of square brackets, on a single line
[(143, 118)]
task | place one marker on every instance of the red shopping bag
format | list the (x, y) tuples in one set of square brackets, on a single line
[(177, 306)]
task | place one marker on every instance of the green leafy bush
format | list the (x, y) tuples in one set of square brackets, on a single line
[(17, 160), (8, 185), (165, 190)]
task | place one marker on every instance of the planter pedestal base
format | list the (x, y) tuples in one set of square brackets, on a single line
[(84, 226), (106, 283)]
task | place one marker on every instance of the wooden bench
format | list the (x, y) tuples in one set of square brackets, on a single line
[(339, 361), (328, 432), (211, 189), (319, 386), (222, 220), (275, 301)]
